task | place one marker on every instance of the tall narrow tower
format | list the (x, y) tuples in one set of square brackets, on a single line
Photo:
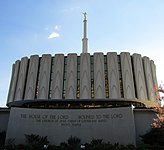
[(85, 40)]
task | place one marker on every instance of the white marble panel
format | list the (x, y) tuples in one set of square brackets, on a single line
[(113, 75), (139, 77), (71, 76), (13, 82), (30, 92), (99, 76), (19, 93), (85, 76), (57, 76), (154, 78), (148, 78), (127, 75), (44, 76)]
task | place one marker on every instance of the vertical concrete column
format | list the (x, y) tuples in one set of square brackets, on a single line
[(71, 76), (22, 79), (57, 76), (148, 78), (13, 82), (99, 76), (127, 75), (139, 77), (154, 78), (44, 77), (31, 83), (113, 75), (85, 76)]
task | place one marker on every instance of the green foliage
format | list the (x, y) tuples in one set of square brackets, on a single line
[(98, 144), (73, 143), (36, 142), (149, 147), (156, 135)]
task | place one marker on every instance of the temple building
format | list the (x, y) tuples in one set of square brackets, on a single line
[(109, 77), (87, 95)]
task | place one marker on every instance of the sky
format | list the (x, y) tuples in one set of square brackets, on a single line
[(29, 27)]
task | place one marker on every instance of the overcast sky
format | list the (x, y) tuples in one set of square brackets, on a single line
[(29, 27)]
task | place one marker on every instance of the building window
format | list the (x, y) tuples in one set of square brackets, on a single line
[(51, 79), (64, 77), (134, 79), (37, 80), (106, 77), (78, 78), (120, 76), (92, 76)]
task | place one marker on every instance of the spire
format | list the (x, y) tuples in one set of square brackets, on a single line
[(85, 40)]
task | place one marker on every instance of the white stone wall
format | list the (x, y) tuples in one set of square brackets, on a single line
[(155, 83), (13, 82), (127, 75), (57, 76), (44, 77), (148, 78), (99, 76), (85, 76), (30, 92), (20, 87), (114, 76), (139, 77), (143, 122), (115, 125), (71, 76)]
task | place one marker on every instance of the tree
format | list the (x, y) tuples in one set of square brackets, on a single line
[(156, 134)]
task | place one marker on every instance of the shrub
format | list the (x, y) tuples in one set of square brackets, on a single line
[(156, 135), (10, 144), (36, 142)]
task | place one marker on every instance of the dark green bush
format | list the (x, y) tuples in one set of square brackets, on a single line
[(36, 142), (154, 137)]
